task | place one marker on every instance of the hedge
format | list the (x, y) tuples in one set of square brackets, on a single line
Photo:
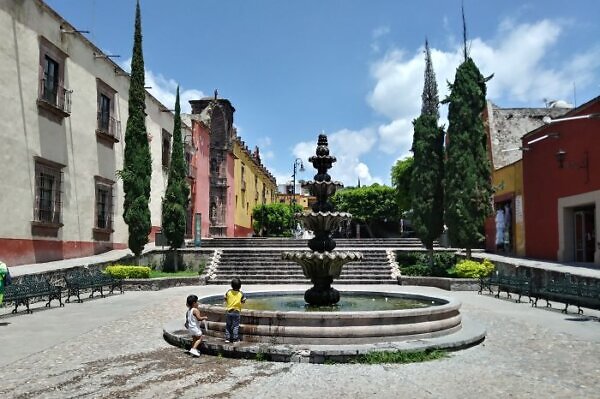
[(121, 271)]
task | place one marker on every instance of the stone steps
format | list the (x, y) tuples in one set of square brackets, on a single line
[(300, 243), (265, 266), (246, 281)]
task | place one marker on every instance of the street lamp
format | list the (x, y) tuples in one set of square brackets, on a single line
[(297, 162)]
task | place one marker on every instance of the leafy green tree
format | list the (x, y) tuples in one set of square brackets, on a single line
[(176, 198), (370, 205), (401, 176), (468, 181), (275, 219), (426, 186), (137, 167)]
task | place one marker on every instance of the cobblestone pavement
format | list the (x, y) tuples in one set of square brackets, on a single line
[(112, 348)]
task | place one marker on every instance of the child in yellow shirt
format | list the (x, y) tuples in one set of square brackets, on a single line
[(233, 299)]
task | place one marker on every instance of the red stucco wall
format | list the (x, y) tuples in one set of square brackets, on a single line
[(201, 183), (230, 216), (544, 182), (22, 251)]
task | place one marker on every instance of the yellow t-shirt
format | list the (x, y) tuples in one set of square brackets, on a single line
[(234, 300)]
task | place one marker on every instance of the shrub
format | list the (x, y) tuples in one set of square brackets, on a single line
[(473, 269), (121, 271), (417, 264)]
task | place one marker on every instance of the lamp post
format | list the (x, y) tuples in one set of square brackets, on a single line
[(297, 162)]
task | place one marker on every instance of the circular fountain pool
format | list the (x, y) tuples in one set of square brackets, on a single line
[(362, 317), (359, 302)]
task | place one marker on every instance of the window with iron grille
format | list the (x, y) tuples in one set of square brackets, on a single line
[(53, 96), (104, 203), (166, 148), (48, 183), (108, 127)]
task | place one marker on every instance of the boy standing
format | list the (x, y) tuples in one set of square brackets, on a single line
[(233, 299)]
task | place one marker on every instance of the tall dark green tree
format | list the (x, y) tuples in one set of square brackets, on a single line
[(137, 165), (468, 181), (176, 198), (426, 186)]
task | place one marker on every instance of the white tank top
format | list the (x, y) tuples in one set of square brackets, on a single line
[(193, 322)]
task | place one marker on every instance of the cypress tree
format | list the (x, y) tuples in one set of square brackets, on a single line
[(176, 198), (468, 180), (427, 193), (137, 165)]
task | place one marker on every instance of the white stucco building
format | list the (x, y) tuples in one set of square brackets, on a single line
[(63, 108)]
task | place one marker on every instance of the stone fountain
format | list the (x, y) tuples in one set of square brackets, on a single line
[(278, 325), (321, 265)]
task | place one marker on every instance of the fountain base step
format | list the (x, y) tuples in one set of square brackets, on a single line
[(471, 333)]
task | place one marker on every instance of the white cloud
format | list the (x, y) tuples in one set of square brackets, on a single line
[(377, 34), (396, 137), (348, 146), (165, 89), (517, 57)]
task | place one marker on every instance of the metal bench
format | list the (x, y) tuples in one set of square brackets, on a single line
[(78, 280), (30, 287), (520, 285), (570, 293)]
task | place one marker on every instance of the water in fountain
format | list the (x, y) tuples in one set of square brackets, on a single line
[(322, 264)]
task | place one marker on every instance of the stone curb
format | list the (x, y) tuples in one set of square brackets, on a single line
[(471, 334), (445, 283)]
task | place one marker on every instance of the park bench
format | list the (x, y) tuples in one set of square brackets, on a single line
[(30, 287), (520, 285), (78, 280), (570, 293)]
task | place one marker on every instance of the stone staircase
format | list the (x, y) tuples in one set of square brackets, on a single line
[(259, 242), (265, 266)]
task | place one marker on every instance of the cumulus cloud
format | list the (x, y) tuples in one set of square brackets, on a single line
[(376, 35), (348, 146), (517, 57), (165, 89)]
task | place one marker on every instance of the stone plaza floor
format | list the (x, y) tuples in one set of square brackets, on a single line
[(113, 348)]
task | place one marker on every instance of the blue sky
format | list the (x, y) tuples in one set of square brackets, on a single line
[(351, 68)]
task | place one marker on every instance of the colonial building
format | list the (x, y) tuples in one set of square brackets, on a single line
[(254, 185), (561, 181), (63, 108), (505, 230), (230, 180)]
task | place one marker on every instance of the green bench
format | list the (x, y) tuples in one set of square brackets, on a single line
[(515, 284), (78, 280), (571, 294), (30, 287)]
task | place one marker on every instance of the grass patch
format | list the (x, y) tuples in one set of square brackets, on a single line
[(400, 357), (182, 273)]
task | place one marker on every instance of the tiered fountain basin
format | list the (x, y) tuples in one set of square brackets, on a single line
[(359, 318)]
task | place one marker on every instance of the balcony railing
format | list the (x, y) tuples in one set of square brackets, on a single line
[(109, 126), (55, 96)]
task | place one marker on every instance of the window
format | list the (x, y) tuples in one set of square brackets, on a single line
[(103, 113), (166, 148), (104, 203), (52, 94), (48, 183), (50, 81), (108, 127)]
